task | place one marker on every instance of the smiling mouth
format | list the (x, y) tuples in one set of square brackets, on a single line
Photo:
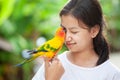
[(70, 44)]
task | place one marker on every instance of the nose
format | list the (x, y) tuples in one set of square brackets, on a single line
[(68, 37)]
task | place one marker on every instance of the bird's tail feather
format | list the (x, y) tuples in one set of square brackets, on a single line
[(21, 64), (25, 61)]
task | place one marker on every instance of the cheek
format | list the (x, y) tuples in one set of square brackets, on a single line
[(83, 39)]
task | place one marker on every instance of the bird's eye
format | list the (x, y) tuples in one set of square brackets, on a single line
[(64, 29)]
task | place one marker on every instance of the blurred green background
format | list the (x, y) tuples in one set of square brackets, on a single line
[(23, 22)]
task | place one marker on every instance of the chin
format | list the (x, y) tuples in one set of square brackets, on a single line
[(73, 50)]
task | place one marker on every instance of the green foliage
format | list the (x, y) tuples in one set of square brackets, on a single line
[(112, 14), (21, 23), (6, 9)]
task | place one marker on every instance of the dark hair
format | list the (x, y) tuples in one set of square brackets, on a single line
[(90, 12)]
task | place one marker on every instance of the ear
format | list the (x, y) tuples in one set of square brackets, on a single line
[(94, 31)]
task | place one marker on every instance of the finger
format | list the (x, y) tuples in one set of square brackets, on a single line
[(47, 64), (55, 60)]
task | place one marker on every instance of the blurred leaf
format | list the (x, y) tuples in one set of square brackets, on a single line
[(6, 9), (7, 28)]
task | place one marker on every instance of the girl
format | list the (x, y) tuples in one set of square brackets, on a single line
[(88, 55)]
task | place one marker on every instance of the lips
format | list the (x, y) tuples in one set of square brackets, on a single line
[(69, 45)]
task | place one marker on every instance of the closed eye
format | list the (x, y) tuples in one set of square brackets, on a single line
[(74, 32)]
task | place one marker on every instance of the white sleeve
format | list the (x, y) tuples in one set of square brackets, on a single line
[(40, 74)]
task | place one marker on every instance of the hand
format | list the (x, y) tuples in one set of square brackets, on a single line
[(53, 70)]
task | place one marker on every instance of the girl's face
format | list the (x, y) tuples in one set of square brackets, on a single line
[(78, 37)]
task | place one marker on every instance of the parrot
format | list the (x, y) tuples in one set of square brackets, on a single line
[(49, 49)]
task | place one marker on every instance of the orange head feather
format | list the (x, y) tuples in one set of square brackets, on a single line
[(60, 33)]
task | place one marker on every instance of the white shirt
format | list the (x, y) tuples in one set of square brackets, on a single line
[(105, 71)]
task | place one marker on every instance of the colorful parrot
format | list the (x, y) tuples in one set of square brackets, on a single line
[(48, 49)]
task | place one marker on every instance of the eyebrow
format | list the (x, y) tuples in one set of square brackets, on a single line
[(69, 28), (73, 28)]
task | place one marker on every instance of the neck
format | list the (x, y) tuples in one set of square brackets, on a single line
[(85, 59)]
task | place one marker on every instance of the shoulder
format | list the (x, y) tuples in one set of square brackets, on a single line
[(112, 67), (116, 71), (113, 70), (108, 65)]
